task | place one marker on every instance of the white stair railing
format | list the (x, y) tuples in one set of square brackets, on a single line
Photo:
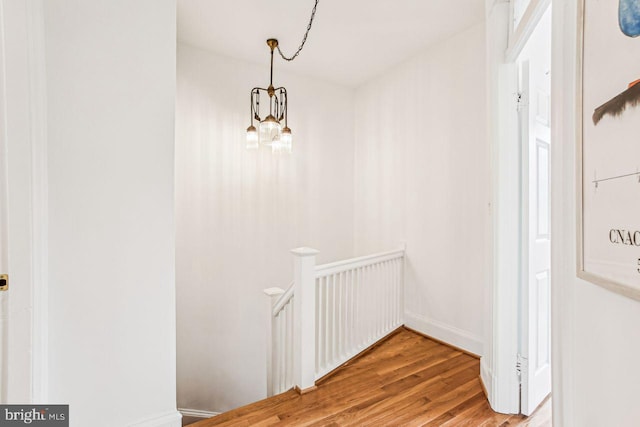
[(329, 314), (358, 302)]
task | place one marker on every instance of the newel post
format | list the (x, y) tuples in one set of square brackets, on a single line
[(304, 311)]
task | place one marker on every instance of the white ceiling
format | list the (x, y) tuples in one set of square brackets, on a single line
[(350, 42)]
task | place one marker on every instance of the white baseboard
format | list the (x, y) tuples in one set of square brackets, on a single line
[(449, 334), (486, 376), (197, 413), (170, 419)]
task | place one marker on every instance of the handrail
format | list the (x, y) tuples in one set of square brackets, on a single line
[(283, 300), (349, 264)]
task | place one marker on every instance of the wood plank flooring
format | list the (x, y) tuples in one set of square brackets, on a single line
[(405, 380)]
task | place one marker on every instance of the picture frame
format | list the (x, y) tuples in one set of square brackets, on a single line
[(608, 145)]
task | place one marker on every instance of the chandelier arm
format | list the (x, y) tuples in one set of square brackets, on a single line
[(275, 102), (255, 92), (253, 110), (286, 103), (286, 109), (304, 38)]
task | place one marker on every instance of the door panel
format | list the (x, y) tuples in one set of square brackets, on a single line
[(535, 301), (542, 190), (541, 303)]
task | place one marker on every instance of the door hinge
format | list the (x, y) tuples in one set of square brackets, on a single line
[(522, 365), (521, 101), (4, 282)]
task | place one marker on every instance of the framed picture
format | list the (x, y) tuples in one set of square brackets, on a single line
[(609, 144)]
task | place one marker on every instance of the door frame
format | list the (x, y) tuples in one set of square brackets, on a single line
[(24, 106), (504, 43)]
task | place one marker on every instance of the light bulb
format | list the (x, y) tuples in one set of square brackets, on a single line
[(286, 140), (269, 130), (252, 138)]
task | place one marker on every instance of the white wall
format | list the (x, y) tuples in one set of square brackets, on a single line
[(239, 213), (422, 176), (111, 89), (596, 339)]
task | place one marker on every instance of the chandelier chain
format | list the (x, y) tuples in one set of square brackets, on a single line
[(304, 39)]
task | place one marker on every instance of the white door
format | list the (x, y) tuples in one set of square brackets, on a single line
[(4, 243), (535, 337), (22, 202)]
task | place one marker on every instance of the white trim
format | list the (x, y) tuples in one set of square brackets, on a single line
[(39, 198), (501, 299), (446, 333), (487, 378), (565, 57), (197, 413), (518, 39), (170, 419)]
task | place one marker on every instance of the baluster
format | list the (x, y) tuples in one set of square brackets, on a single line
[(395, 292), (283, 370), (347, 310), (318, 325), (390, 294), (334, 332), (290, 313), (362, 301), (386, 286), (343, 310), (285, 350), (340, 313), (375, 293), (399, 285), (350, 311), (369, 301), (385, 295), (376, 300), (330, 315), (383, 299), (361, 308), (327, 320), (383, 292), (275, 356), (356, 312), (345, 303), (365, 306)]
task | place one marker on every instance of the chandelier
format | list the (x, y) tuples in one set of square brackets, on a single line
[(273, 130)]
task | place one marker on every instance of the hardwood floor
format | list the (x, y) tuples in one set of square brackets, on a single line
[(405, 380)]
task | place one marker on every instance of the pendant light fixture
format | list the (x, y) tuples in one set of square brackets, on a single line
[(273, 130)]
